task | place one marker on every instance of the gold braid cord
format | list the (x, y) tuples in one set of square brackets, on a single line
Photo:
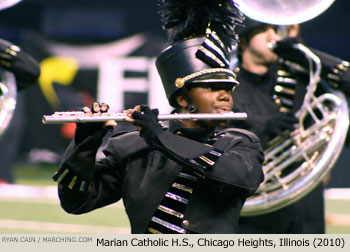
[(180, 82)]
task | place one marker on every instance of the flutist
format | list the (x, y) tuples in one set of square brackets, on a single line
[(192, 177)]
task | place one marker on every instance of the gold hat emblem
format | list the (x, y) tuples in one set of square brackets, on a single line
[(179, 82)]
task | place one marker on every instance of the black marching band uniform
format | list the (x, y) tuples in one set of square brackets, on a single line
[(26, 71), (270, 99), (181, 180)]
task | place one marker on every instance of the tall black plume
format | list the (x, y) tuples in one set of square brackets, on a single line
[(183, 19)]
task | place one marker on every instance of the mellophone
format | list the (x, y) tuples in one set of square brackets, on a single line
[(82, 117)]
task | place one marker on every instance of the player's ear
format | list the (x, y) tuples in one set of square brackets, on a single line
[(180, 99)]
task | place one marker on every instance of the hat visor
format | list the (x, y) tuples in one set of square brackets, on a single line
[(232, 81)]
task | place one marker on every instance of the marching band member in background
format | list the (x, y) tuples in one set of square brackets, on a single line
[(26, 71), (261, 52)]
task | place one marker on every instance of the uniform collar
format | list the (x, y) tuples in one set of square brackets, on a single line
[(192, 133)]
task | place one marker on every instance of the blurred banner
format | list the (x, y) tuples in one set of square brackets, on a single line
[(121, 73)]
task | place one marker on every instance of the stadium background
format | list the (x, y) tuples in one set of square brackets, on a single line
[(104, 50)]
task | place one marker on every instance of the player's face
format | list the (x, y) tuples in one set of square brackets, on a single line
[(212, 98), (260, 46)]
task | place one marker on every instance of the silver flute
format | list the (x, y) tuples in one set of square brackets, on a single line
[(82, 117)]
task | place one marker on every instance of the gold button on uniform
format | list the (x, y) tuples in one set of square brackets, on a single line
[(186, 223)]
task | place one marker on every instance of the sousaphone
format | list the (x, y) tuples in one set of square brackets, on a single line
[(8, 3), (8, 95), (8, 87), (296, 162), (283, 12)]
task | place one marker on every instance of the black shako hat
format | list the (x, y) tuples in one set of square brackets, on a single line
[(201, 33), (183, 64)]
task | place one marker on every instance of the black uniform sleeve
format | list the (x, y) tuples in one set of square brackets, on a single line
[(335, 71), (25, 68), (83, 183), (234, 162)]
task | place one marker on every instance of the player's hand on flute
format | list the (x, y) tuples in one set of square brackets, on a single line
[(87, 129), (146, 121), (129, 113)]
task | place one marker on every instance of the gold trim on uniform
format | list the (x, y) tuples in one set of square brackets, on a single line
[(179, 82), (176, 197), (90, 186), (211, 55), (284, 109), (207, 160), (82, 186), (170, 211), (286, 80), (278, 101), (154, 231), (72, 183), (169, 225), (182, 187), (61, 177), (187, 176), (282, 72), (280, 89), (344, 66), (204, 72)]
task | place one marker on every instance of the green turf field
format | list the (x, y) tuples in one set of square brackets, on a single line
[(23, 215), (41, 215)]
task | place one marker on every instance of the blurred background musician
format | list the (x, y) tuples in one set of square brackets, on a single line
[(271, 92), (26, 71)]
